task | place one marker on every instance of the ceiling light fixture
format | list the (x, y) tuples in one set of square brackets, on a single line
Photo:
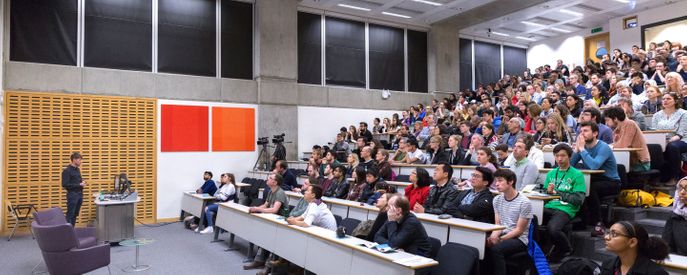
[(396, 14), (353, 7), (623, 1), (500, 33), (560, 30), (573, 13), (428, 2), (531, 23), (525, 38)]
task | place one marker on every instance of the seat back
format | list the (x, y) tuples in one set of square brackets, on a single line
[(403, 178), (656, 155), (435, 245), (622, 173), (349, 224), (448, 264), (338, 220), (55, 238), (52, 216)]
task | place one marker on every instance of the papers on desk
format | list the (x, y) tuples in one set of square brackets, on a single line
[(384, 248), (413, 261)]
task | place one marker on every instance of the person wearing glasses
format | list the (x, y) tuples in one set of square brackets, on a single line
[(673, 118), (475, 203), (418, 191), (675, 229), (635, 250)]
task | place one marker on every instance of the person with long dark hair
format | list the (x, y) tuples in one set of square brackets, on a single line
[(419, 190), (635, 250), (225, 192)]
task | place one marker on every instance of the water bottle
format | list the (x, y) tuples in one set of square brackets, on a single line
[(102, 195)]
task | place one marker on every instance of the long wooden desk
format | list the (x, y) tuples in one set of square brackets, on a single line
[(462, 231), (194, 204), (400, 186), (657, 137), (314, 248), (258, 174), (675, 264)]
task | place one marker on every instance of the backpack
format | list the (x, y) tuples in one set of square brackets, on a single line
[(579, 266), (662, 199), (636, 197), (363, 229)]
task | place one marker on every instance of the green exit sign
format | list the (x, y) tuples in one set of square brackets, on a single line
[(599, 29)]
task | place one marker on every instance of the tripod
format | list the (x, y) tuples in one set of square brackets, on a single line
[(263, 160)]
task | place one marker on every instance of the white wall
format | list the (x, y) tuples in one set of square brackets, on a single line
[(624, 39), (183, 171), (570, 49), (675, 32), (318, 125)]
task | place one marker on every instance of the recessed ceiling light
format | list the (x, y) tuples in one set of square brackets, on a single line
[(560, 30), (396, 14), (623, 1), (573, 13), (353, 7), (525, 38), (428, 2), (500, 33), (531, 23)]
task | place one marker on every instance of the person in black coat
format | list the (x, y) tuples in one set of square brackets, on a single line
[(403, 230), (382, 218), (475, 203), (454, 153), (635, 251), (437, 154)]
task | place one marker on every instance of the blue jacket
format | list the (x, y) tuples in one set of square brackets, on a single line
[(209, 187)]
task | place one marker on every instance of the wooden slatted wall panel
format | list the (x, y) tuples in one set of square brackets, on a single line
[(114, 134)]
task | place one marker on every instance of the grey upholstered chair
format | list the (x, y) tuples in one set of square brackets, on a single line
[(64, 251)]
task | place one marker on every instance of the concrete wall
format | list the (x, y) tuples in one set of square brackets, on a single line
[(624, 39)]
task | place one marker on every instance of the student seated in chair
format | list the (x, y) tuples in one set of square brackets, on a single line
[(226, 192), (441, 194), (209, 188), (339, 187), (568, 183), (635, 250), (475, 203), (524, 168), (275, 203), (317, 213), (675, 229), (513, 211), (403, 230)]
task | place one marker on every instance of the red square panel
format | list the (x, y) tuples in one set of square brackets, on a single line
[(184, 128)]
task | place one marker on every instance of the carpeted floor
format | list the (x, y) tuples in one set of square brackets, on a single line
[(175, 251)]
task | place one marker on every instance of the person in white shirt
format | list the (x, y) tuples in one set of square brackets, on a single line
[(226, 192), (413, 154), (535, 155), (317, 213)]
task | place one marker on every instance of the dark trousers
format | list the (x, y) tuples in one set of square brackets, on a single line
[(555, 220), (74, 201), (674, 234), (498, 253), (673, 160), (599, 187)]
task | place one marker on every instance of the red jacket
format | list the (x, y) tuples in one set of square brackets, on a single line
[(416, 195)]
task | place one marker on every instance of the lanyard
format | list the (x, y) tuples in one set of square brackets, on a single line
[(557, 180)]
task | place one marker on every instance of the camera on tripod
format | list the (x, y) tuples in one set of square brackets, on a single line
[(263, 141), (278, 138)]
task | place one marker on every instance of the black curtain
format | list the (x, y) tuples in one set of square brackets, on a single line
[(465, 63), (43, 31), (514, 60), (487, 63), (118, 34), (237, 39), (386, 58), (345, 52), (417, 61), (309, 48), (186, 37)]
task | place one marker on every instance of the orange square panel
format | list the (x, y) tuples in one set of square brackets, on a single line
[(233, 129)]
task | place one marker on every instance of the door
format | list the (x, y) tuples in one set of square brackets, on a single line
[(595, 46)]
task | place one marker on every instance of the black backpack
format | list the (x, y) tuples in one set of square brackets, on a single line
[(579, 266)]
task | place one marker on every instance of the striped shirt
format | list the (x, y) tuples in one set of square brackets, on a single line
[(510, 211)]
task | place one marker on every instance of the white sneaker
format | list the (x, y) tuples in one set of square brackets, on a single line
[(197, 229), (207, 230)]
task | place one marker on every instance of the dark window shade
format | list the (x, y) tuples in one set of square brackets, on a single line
[(118, 34), (465, 63), (186, 37), (386, 58), (417, 61), (345, 52), (487, 63), (43, 31), (237, 39), (309, 48), (514, 60)]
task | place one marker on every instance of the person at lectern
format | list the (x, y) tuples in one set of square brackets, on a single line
[(74, 184)]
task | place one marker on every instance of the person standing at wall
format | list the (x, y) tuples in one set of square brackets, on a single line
[(74, 184)]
